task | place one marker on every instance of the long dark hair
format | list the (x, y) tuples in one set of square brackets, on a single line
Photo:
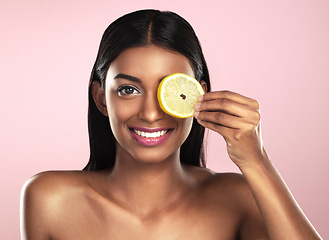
[(145, 27)]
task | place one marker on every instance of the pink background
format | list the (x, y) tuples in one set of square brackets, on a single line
[(274, 51)]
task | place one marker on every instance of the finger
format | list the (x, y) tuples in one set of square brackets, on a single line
[(222, 130), (225, 105), (232, 96), (224, 119)]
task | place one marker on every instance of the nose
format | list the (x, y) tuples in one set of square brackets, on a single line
[(150, 110)]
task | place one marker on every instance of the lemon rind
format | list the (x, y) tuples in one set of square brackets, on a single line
[(163, 104)]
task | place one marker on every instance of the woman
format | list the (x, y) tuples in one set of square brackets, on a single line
[(134, 190)]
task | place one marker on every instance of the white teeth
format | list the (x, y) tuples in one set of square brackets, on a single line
[(150, 134)]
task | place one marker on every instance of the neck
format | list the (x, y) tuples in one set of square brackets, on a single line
[(144, 188)]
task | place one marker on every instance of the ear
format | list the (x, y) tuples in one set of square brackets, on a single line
[(204, 85), (99, 97)]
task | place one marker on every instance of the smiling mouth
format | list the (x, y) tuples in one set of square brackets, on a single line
[(153, 134)]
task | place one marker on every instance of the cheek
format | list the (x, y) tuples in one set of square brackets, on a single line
[(187, 126), (121, 111)]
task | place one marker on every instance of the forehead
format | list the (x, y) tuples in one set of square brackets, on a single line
[(150, 60)]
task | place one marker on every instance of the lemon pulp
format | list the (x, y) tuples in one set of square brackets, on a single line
[(177, 94)]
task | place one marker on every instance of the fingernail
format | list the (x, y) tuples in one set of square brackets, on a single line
[(200, 98), (197, 106), (196, 114)]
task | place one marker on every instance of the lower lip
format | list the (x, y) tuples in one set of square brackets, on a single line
[(150, 141)]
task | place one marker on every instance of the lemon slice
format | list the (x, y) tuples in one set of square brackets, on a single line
[(177, 94)]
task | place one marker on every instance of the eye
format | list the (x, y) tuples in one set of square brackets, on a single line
[(127, 90)]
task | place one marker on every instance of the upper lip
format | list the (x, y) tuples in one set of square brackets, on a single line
[(143, 129)]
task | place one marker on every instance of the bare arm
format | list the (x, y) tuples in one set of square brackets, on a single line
[(237, 119), (281, 213)]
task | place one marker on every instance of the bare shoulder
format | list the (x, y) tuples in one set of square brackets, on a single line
[(53, 182), (46, 197), (233, 186), (229, 182), (225, 189), (228, 199), (56, 185), (45, 190), (59, 177), (231, 191), (219, 182)]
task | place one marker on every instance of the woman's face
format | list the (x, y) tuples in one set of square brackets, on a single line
[(139, 125)]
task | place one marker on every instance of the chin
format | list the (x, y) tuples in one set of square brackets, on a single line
[(154, 156)]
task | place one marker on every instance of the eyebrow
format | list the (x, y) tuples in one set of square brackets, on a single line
[(128, 77), (132, 78)]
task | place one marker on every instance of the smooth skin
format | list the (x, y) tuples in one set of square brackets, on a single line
[(149, 194)]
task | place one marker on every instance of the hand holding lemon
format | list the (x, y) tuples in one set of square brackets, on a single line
[(232, 115)]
